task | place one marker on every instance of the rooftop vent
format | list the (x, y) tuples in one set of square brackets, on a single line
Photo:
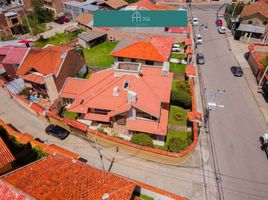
[(132, 97), (116, 91)]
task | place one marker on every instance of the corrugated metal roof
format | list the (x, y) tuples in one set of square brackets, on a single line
[(251, 28)]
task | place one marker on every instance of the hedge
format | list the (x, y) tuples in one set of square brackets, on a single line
[(142, 139), (177, 145), (181, 98)]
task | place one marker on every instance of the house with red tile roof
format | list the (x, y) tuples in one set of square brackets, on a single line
[(152, 51), (148, 5), (10, 58), (45, 70), (6, 158), (129, 98), (253, 22), (112, 4), (59, 177)]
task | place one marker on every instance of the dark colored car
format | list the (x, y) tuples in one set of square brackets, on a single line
[(237, 71), (200, 59), (219, 22), (62, 19), (57, 131)]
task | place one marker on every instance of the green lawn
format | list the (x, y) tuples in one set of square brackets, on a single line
[(178, 55), (175, 67), (58, 39), (70, 115), (182, 45), (99, 55), (179, 134), (177, 116)]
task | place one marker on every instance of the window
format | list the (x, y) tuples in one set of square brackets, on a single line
[(149, 62), (125, 85), (133, 60), (120, 59), (14, 20), (250, 22)]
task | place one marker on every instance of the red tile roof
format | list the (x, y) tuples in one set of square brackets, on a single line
[(151, 88), (188, 41), (13, 55), (155, 49), (9, 192), (6, 156), (116, 4), (190, 71), (258, 7), (148, 5), (45, 61), (35, 78), (84, 19), (58, 177)]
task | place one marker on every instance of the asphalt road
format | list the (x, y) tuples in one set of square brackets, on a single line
[(235, 129)]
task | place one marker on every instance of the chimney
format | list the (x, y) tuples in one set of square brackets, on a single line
[(116, 92)]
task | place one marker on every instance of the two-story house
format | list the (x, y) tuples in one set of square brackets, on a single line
[(153, 51), (45, 70), (253, 22), (129, 97), (11, 20)]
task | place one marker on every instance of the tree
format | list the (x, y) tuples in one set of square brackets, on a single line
[(177, 145), (142, 139), (37, 4), (181, 98)]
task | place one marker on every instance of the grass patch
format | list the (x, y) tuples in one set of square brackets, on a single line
[(99, 55), (70, 115), (175, 67), (178, 55), (58, 39), (182, 45), (179, 134), (145, 197), (177, 116)]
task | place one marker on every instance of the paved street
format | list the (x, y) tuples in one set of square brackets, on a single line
[(235, 129), (186, 180)]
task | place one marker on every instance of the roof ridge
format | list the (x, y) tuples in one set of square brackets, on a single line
[(156, 49)]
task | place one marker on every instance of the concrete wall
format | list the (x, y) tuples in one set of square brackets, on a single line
[(52, 91)]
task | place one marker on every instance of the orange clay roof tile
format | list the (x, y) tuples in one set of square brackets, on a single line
[(6, 156), (61, 178)]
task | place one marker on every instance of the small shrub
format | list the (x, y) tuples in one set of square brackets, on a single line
[(142, 139), (181, 98), (183, 86), (101, 130), (177, 145)]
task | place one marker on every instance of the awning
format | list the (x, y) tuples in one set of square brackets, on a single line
[(16, 86), (251, 28)]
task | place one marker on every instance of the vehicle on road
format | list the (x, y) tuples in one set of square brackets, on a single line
[(200, 58), (194, 21), (264, 143), (198, 39), (219, 22), (57, 131), (237, 71), (221, 29)]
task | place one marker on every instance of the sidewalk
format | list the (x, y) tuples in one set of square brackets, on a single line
[(239, 49)]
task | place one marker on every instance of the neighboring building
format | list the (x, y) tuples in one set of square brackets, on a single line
[(148, 5), (11, 20), (154, 51), (253, 23), (129, 97), (85, 21), (11, 57), (113, 4), (8, 191), (56, 6), (6, 158), (91, 38), (45, 70), (74, 8), (257, 52)]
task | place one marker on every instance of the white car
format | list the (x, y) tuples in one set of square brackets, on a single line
[(198, 39), (222, 29), (194, 21), (176, 46), (176, 49)]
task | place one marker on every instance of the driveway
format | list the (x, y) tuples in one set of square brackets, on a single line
[(235, 129), (187, 180)]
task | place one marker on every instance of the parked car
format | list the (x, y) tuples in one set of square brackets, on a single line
[(219, 22), (198, 39), (222, 29), (57, 131), (194, 21), (176, 49), (237, 71), (176, 46), (62, 19), (200, 58)]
